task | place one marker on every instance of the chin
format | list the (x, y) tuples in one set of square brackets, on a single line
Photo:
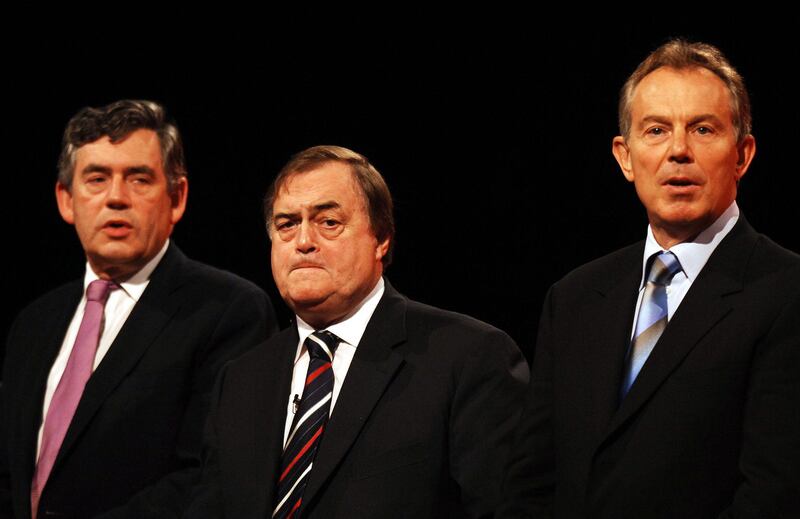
[(117, 249), (307, 296), (683, 215)]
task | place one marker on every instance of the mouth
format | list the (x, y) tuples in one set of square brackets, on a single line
[(306, 266), (117, 228), (680, 182), (680, 185)]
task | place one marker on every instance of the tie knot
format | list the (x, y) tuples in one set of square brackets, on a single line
[(663, 267), (322, 345), (99, 289)]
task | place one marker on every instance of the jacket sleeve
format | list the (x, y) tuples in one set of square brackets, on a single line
[(248, 320), (529, 486), (770, 455), (486, 404)]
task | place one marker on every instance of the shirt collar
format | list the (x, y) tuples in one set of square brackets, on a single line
[(135, 285), (350, 329), (694, 254)]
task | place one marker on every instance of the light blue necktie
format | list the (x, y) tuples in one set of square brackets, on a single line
[(652, 317)]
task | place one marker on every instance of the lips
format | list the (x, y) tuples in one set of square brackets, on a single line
[(679, 181), (117, 228), (306, 266), (680, 185)]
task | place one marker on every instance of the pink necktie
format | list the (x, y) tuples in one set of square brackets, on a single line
[(70, 387)]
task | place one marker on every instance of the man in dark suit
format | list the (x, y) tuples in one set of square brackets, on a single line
[(104, 395), (665, 379), (421, 401)]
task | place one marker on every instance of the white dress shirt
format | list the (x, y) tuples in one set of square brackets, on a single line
[(692, 255), (350, 330), (118, 307)]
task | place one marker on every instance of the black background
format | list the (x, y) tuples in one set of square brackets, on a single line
[(493, 133)]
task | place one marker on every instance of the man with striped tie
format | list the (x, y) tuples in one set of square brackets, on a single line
[(372, 405), (665, 379)]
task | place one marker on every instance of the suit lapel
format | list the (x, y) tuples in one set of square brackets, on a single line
[(702, 308), (271, 393), (43, 354), (610, 317), (152, 312), (373, 367)]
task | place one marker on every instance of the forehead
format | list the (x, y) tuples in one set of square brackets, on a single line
[(328, 182), (140, 147), (693, 91)]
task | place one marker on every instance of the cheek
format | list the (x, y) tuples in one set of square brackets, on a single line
[(281, 257), (84, 217), (276, 261), (645, 160)]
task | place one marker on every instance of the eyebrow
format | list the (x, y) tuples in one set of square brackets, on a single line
[(140, 169), (98, 168), (693, 121), (317, 208), (705, 117)]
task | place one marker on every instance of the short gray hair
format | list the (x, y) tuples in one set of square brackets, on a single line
[(681, 54)]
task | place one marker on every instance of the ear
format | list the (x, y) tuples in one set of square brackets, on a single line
[(623, 155), (382, 249), (178, 199), (64, 201), (746, 150)]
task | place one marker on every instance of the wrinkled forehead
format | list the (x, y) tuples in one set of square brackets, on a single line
[(690, 89), (330, 181), (141, 145)]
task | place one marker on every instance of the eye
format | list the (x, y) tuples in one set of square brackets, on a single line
[(704, 130), (656, 131), (140, 179), (329, 227), (284, 225)]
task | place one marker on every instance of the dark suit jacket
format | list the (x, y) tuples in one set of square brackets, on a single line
[(420, 429), (137, 432), (711, 426)]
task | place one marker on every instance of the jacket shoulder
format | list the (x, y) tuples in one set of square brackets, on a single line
[(608, 266), (56, 299), (206, 275), (772, 256), (272, 347), (445, 334)]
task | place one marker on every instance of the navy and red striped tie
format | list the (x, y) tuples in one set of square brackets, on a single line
[(307, 426)]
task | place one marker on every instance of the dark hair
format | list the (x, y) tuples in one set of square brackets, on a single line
[(681, 54), (117, 121), (376, 193)]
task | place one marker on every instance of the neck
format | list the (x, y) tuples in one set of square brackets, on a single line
[(112, 273), (669, 235), (668, 240)]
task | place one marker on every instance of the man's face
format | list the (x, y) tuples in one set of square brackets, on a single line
[(120, 204), (325, 257), (682, 153)]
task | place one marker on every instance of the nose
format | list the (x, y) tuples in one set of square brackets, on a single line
[(680, 151), (118, 196), (306, 240)]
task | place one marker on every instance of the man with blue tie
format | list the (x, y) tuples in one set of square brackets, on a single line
[(664, 382)]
